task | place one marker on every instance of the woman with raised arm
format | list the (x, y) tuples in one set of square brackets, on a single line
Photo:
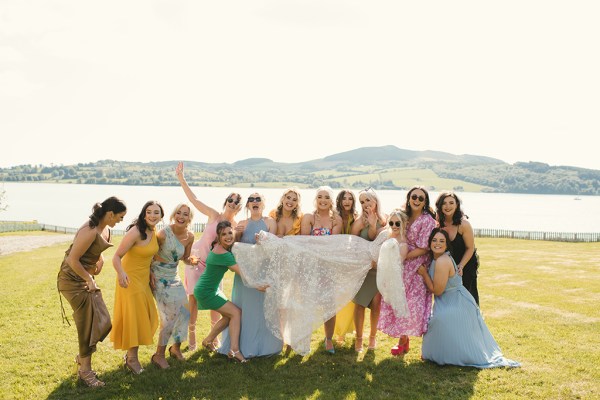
[(210, 297), (457, 334), (175, 242), (83, 260), (345, 204), (322, 222), (462, 241), (421, 221), (201, 248), (256, 340), (135, 318), (368, 226)]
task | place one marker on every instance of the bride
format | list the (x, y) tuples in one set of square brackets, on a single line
[(310, 278)]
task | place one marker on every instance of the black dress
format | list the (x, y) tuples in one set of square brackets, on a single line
[(469, 277)]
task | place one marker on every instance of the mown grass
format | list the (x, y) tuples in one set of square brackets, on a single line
[(539, 299)]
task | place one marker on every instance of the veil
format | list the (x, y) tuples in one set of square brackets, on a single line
[(310, 279)]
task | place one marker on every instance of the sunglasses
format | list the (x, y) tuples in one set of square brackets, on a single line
[(231, 200), (254, 199), (397, 223), (415, 197)]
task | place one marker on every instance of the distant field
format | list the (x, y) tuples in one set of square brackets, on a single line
[(539, 299)]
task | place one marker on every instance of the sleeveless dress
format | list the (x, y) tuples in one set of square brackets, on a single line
[(368, 290), (418, 298), (200, 249), (344, 320), (255, 337), (170, 295), (457, 334), (207, 291), (135, 319), (89, 310), (469, 276)]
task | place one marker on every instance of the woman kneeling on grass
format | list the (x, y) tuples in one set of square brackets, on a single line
[(210, 297), (76, 282), (456, 333)]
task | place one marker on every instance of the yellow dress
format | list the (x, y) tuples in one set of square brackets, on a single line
[(135, 318), (344, 321)]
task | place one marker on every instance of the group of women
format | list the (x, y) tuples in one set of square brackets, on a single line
[(282, 287)]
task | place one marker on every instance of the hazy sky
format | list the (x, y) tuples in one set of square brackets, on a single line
[(221, 81)]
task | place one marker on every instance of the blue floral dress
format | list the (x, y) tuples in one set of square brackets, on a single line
[(170, 295)]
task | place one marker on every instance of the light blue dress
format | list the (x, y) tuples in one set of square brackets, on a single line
[(256, 339), (457, 334), (170, 295)]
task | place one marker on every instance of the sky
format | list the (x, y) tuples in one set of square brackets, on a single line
[(222, 81)]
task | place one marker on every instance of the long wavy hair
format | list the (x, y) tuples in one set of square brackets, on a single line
[(99, 210), (340, 198), (332, 210), (220, 228), (372, 195), (426, 209), (296, 211), (458, 213), (140, 221)]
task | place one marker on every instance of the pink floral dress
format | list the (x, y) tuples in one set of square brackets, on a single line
[(418, 297)]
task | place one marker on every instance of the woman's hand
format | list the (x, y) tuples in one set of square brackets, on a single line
[(460, 269), (90, 285), (373, 264), (179, 169), (263, 288), (422, 270), (123, 280), (152, 281)]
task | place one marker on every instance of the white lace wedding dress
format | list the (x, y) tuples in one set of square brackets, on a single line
[(311, 278)]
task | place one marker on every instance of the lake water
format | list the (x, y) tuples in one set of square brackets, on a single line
[(69, 205)]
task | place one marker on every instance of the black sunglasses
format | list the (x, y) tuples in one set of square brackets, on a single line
[(231, 200), (254, 199), (397, 223), (415, 197)]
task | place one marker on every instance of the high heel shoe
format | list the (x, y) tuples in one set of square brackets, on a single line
[(358, 345), (372, 342), (135, 369), (233, 355), (157, 363), (400, 348), (175, 354), (332, 349), (210, 346), (90, 379)]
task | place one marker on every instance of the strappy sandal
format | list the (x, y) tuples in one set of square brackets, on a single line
[(135, 371), (232, 355), (90, 379), (157, 363), (372, 342), (173, 354), (210, 346), (358, 344)]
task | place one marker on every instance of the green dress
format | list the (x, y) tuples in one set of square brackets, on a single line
[(207, 292)]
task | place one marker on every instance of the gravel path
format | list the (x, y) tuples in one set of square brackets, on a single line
[(13, 244)]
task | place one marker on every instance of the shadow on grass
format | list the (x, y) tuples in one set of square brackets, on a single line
[(319, 375)]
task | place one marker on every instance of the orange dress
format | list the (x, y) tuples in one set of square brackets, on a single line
[(135, 318)]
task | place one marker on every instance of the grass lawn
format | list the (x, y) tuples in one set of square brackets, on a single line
[(540, 300)]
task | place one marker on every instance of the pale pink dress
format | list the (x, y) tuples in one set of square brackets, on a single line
[(418, 298), (200, 249)]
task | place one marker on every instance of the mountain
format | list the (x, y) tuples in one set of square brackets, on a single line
[(385, 167)]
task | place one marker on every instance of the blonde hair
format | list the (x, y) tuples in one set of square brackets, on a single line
[(332, 210), (179, 207)]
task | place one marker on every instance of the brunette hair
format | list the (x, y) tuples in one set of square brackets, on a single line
[(443, 232), (140, 221), (458, 213), (426, 209), (220, 227), (338, 203), (99, 210)]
